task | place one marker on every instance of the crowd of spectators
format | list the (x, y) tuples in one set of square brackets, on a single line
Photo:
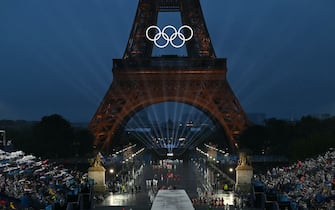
[(36, 183), (308, 184)]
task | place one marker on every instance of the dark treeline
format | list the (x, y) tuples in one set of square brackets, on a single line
[(297, 140), (55, 137), (52, 137)]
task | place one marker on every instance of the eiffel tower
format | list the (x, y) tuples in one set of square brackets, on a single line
[(140, 79)]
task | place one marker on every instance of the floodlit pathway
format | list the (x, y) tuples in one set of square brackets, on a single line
[(169, 175)]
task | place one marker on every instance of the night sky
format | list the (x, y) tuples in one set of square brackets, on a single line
[(56, 55)]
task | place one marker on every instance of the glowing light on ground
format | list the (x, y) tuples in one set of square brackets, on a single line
[(169, 126)]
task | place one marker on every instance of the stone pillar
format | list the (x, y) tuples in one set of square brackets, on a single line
[(244, 173), (97, 173)]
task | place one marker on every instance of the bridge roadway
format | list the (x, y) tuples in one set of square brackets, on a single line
[(187, 175)]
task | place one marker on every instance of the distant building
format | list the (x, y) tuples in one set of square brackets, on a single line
[(322, 116), (140, 119), (2, 138), (5, 124), (186, 118)]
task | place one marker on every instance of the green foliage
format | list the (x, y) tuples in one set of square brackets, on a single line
[(52, 137), (255, 138), (297, 140), (83, 142)]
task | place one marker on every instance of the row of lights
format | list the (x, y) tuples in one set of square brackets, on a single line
[(111, 171), (118, 152), (204, 153), (231, 170), (134, 155), (164, 138), (218, 150)]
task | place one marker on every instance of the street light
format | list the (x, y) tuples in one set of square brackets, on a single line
[(231, 170), (111, 171)]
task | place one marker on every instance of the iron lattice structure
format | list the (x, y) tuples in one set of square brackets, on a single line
[(140, 80)]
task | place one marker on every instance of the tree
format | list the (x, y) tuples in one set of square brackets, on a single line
[(254, 138), (53, 137), (280, 134), (83, 142)]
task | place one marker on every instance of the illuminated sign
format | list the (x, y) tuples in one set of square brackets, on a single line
[(169, 39)]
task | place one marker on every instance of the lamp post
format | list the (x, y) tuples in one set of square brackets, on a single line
[(111, 179)]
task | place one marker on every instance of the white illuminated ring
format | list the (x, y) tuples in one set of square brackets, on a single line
[(169, 39)]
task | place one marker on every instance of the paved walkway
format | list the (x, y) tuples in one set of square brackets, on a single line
[(183, 176)]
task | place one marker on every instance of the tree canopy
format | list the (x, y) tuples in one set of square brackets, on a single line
[(297, 140), (52, 137)]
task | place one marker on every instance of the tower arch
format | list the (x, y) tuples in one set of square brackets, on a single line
[(139, 80)]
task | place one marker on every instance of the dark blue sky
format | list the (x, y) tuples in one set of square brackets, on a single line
[(56, 56)]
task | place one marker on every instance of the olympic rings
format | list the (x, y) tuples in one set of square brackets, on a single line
[(169, 39)]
